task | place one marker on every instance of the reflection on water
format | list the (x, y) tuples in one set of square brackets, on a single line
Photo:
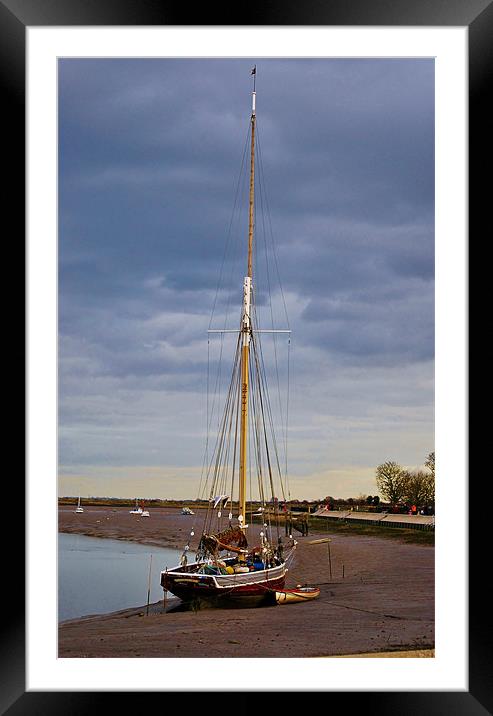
[(98, 575)]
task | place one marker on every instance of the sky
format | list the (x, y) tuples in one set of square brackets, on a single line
[(149, 156)]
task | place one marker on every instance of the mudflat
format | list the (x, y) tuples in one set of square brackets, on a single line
[(376, 599)]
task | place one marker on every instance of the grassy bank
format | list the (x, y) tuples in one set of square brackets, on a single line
[(401, 534)]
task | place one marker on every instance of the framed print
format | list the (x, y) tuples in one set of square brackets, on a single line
[(37, 42)]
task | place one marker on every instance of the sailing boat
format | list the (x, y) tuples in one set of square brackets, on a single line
[(226, 566), (137, 510), (79, 508)]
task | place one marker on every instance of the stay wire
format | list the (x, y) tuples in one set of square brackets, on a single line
[(265, 210), (229, 232)]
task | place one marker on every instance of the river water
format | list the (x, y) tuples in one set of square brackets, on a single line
[(96, 575)]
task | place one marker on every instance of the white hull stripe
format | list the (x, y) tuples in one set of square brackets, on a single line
[(232, 580)]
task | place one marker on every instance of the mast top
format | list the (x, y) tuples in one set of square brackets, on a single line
[(252, 178), (254, 73)]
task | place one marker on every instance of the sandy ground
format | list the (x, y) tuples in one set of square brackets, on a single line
[(378, 601)]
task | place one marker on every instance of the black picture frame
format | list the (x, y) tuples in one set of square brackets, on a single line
[(15, 17)]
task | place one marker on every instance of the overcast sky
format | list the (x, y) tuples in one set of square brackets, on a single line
[(149, 157)]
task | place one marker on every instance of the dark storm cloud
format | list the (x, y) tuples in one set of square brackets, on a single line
[(374, 331), (150, 151), (149, 160)]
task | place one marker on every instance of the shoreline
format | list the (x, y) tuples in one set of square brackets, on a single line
[(411, 654), (377, 600)]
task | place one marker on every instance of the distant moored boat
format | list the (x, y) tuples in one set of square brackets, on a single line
[(137, 509)]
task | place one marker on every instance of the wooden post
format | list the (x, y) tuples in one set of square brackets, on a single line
[(149, 586), (330, 561)]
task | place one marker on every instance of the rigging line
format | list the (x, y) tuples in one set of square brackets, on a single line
[(221, 432), (260, 413), (235, 253), (237, 256), (254, 429), (219, 369), (216, 396), (235, 387), (265, 439), (207, 410), (238, 401), (262, 373), (229, 233), (263, 197), (269, 220), (263, 194), (227, 444), (217, 446), (366, 611), (286, 474), (255, 432), (251, 428), (251, 418), (205, 460), (216, 393), (255, 422), (254, 241), (278, 470), (267, 452), (255, 383), (235, 413), (266, 518)]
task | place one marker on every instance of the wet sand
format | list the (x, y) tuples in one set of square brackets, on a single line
[(378, 601)]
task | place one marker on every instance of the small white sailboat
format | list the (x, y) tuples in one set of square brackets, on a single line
[(79, 509), (187, 511), (137, 509)]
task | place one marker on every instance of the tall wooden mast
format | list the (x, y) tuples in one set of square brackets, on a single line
[(246, 325)]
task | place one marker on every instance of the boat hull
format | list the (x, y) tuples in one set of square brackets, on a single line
[(251, 588), (289, 596)]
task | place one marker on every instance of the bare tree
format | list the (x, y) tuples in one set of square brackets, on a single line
[(430, 463), (390, 479), (430, 493), (417, 487)]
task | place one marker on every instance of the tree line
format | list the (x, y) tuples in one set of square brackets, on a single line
[(413, 487)]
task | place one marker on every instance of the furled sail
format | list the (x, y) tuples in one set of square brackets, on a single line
[(232, 539)]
